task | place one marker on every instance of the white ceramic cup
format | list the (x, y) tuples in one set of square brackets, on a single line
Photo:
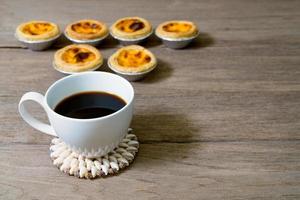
[(90, 137)]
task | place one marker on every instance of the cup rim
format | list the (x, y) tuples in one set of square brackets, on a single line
[(91, 119)]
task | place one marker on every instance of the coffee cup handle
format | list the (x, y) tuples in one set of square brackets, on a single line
[(38, 98)]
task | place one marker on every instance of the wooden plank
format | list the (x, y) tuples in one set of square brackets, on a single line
[(209, 94), (226, 21), (218, 120), (230, 170)]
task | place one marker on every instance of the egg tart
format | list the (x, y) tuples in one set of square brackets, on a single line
[(177, 34), (86, 29), (77, 58), (131, 28), (132, 62), (37, 31), (176, 29)]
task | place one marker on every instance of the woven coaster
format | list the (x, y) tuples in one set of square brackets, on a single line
[(77, 165)]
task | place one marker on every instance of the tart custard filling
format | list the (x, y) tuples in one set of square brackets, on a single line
[(133, 58), (130, 25), (37, 28), (177, 27), (86, 27), (78, 55)]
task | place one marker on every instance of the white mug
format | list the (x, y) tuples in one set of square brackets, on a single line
[(90, 137)]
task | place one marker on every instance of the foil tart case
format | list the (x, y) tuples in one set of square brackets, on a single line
[(93, 42), (39, 45), (69, 73), (177, 43), (130, 76), (126, 42)]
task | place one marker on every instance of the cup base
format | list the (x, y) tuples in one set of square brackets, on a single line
[(80, 166)]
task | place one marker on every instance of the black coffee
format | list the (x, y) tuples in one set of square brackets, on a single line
[(87, 105)]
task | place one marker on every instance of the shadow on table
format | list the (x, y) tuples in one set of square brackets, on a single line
[(61, 42), (164, 137), (104, 66), (160, 73), (107, 43), (203, 40), (152, 41)]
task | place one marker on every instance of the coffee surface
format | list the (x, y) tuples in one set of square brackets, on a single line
[(87, 105)]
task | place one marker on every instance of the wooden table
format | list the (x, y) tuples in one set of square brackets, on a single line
[(218, 120)]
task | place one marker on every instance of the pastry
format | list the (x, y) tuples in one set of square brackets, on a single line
[(77, 58), (86, 29), (131, 28), (132, 59), (177, 34), (176, 29), (37, 31)]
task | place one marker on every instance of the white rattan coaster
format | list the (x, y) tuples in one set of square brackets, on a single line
[(77, 165)]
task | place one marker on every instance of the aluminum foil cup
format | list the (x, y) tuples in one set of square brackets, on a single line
[(133, 76), (69, 73), (39, 45), (126, 42), (93, 42), (177, 43)]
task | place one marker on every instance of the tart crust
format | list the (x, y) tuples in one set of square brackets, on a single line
[(132, 59), (37, 30), (176, 29), (77, 58), (86, 29), (131, 28)]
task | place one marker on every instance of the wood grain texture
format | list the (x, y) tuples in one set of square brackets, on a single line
[(218, 120), (231, 170)]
